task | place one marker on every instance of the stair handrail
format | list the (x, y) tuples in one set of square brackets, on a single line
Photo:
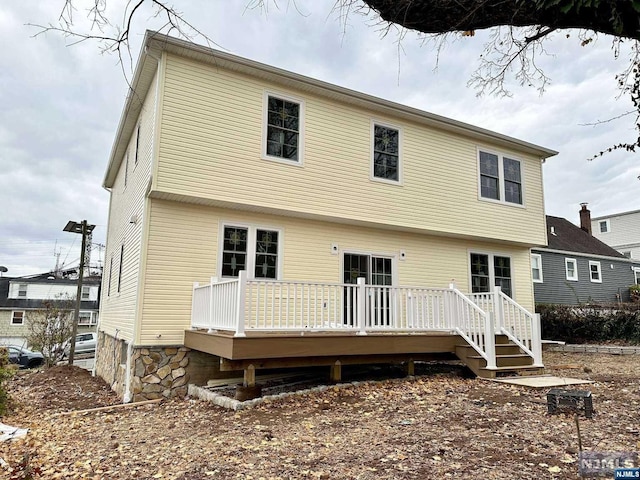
[(529, 338), (482, 341)]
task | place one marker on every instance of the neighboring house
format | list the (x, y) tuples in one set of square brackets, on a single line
[(287, 190), (577, 268), (620, 231), (23, 296)]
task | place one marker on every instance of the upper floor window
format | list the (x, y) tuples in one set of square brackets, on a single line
[(500, 178), (120, 267), (386, 153), (86, 293), (283, 129), (17, 317), (595, 274), (255, 250), (137, 156), (571, 268), (22, 290), (604, 226), (488, 270), (536, 267)]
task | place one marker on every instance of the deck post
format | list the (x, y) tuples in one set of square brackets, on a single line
[(250, 376), (449, 307), (490, 341), (193, 302), (362, 306), (242, 290), (411, 368), (336, 371), (536, 340), (498, 316)]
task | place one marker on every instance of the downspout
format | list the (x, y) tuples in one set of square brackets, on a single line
[(127, 375)]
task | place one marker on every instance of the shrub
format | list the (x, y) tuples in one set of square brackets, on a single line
[(6, 372), (590, 324)]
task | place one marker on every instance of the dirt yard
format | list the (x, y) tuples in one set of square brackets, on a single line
[(435, 426)]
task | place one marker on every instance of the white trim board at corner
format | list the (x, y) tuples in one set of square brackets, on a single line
[(540, 381)]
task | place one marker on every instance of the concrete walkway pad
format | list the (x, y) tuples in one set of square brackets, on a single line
[(541, 381)]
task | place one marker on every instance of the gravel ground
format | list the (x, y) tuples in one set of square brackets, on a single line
[(438, 425)]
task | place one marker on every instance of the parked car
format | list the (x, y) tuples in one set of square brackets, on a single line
[(85, 343), (24, 358)]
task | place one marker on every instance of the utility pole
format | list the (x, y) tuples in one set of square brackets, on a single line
[(85, 230)]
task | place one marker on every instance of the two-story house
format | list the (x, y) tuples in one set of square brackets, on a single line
[(22, 297), (620, 231), (321, 226)]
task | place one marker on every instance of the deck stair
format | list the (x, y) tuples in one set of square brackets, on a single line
[(510, 360)]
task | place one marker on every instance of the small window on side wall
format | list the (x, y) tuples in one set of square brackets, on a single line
[(604, 226), (17, 317), (283, 129), (536, 267), (595, 273), (571, 269), (386, 153)]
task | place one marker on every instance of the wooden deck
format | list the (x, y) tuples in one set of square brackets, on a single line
[(271, 350)]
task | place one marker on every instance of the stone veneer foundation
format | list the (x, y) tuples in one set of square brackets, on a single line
[(156, 372)]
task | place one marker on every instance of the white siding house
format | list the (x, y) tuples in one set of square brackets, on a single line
[(620, 231)]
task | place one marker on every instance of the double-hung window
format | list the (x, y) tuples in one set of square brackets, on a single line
[(536, 267), (386, 153), (256, 250), (571, 269), (488, 270), (283, 129), (595, 274), (17, 317), (500, 178), (604, 226), (86, 293), (22, 290)]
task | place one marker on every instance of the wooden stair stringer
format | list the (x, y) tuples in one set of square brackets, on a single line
[(510, 360)]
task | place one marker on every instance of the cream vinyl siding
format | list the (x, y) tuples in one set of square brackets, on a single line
[(118, 310), (306, 245), (212, 124)]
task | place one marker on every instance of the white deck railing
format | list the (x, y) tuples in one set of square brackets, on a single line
[(511, 319), (242, 305)]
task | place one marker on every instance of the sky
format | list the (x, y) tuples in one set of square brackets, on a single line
[(61, 103)]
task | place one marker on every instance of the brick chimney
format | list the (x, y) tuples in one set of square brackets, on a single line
[(585, 218)]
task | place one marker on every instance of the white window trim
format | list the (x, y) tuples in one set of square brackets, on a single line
[(492, 273), (575, 269), (17, 324), (26, 290), (382, 123), (636, 272), (92, 318), (265, 109), (88, 290), (500, 156), (539, 257), (607, 223), (252, 228), (591, 263)]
